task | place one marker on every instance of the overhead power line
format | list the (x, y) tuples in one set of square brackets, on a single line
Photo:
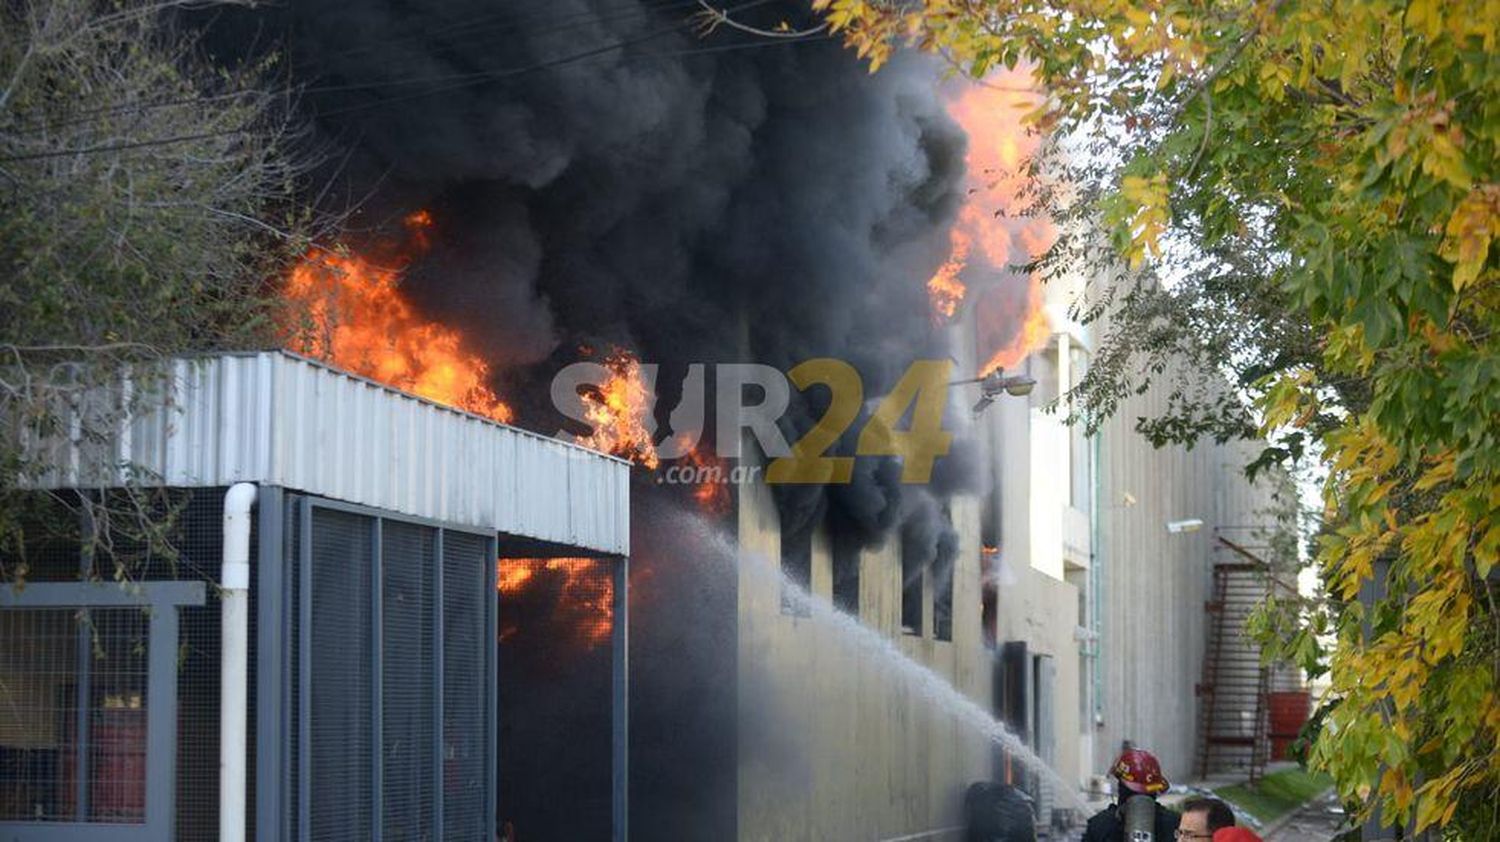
[(463, 80), (118, 147), (448, 83), (465, 28)]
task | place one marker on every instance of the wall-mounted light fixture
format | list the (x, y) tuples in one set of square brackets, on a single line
[(1177, 527), (994, 384)]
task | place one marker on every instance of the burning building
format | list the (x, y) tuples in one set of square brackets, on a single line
[(1094, 606), (537, 185), (602, 176)]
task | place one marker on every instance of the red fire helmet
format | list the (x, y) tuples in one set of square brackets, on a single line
[(1139, 771)]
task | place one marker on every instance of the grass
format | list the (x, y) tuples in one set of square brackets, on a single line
[(1276, 794)]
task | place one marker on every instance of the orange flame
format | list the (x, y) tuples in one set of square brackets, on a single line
[(585, 593), (1032, 334), (712, 491), (944, 289), (351, 313), (990, 114), (618, 411)]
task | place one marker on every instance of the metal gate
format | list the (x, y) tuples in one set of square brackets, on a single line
[(90, 702), (376, 669)]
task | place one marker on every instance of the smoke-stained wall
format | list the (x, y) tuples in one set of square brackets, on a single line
[(832, 743)]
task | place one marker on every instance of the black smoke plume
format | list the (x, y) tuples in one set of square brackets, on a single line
[(601, 174)]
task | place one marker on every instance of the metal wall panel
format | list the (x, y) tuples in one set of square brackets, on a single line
[(280, 419), (409, 756), (342, 761), (1153, 583), (467, 603)]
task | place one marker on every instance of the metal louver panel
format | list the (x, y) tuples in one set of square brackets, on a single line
[(466, 737), (341, 767), (407, 693), (279, 419)]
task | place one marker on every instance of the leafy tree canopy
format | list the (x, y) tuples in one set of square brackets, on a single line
[(146, 196)]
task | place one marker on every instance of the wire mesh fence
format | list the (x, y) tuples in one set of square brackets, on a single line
[(38, 715), (74, 705), (73, 715), (384, 685)]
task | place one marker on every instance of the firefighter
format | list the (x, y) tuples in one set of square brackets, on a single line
[(1137, 773)]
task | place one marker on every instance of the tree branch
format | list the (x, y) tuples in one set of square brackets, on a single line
[(1219, 69), (710, 18)]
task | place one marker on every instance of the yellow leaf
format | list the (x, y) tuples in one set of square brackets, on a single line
[(1467, 236), (1148, 216), (1424, 18), (1441, 471), (1446, 161)]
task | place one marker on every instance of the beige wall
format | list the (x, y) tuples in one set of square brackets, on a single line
[(1042, 560), (1149, 585), (831, 746), (1041, 611)]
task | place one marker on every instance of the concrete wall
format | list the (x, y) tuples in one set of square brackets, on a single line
[(1043, 547), (831, 746), (1067, 561)]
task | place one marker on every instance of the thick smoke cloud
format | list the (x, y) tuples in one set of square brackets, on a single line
[(599, 174)]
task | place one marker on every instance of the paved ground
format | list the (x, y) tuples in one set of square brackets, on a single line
[(1318, 821)]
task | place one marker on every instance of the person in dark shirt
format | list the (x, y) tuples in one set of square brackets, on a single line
[(1136, 772)]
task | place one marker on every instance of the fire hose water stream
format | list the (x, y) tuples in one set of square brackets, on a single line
[(885, 653)]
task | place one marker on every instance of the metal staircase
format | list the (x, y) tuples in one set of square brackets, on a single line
[(1233, 711)]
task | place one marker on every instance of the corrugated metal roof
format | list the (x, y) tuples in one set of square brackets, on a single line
[(279, 419)]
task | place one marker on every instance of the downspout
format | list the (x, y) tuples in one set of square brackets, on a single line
[(1096, 597), (234, 662)]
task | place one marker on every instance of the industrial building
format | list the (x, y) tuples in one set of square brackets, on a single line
[(1074, 610), (315, 659), (386, 697)]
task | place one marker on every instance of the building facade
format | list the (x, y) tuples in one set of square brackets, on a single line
[(1077, 596)]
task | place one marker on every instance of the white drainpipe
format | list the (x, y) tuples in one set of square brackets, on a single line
[(235, 661)]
